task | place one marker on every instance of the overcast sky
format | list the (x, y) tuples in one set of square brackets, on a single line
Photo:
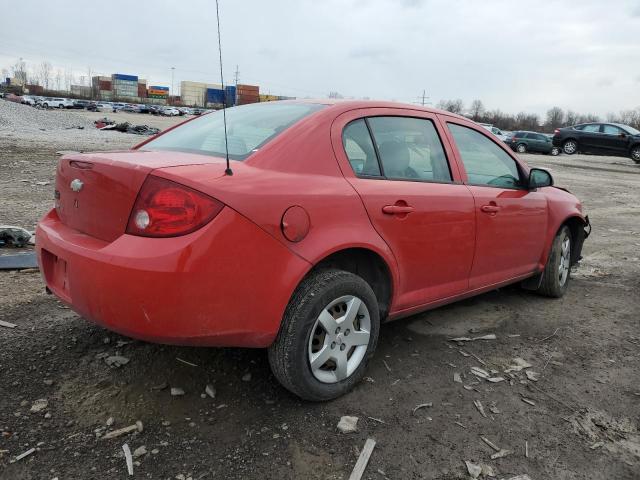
[(516, 56)]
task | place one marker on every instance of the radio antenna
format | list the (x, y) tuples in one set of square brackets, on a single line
[(228, 171)]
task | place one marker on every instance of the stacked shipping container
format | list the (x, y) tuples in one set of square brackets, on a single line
[(155, 91), (248, 94)]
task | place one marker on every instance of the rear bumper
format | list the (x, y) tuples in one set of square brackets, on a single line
[(226, 284)]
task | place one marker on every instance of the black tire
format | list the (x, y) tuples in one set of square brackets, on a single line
[(288, 355), (45, 105), (551, 284), (60, 106), (521, 148), (555, 151), (570, 147), (635, 154)]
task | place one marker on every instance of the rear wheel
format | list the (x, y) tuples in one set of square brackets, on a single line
[(60, 106), (554, 151), (521, 148), (635, 154), (555, 278), (570, 147), (328, 334), (45, 105)]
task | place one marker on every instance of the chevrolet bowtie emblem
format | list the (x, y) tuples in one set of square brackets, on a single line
[(76, 185)]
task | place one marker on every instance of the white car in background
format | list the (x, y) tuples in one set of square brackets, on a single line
[(28, 100), (170, 111), (496, 131), (104, 107), (55, 102)]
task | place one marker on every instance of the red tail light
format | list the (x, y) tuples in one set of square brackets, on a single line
[(167, 209), (556, 131)]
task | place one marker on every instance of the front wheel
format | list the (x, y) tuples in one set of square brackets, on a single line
[(555, 151), (635, 154), (570, 147), (328, 334), (555, 278), (521, 148)]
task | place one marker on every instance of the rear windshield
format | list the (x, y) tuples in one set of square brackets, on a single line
[(249, 127)]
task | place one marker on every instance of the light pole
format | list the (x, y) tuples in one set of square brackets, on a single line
[(171, 95)]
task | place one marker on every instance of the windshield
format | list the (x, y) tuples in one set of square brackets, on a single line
[(249, 127)]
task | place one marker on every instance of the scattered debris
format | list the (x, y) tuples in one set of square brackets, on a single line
[(110, 421), (531, 375), (495, 379), (246, 377), (125, 127), (160, 386), (518, 364), (116, 361), (210, 390), (128, 459), (491, 336), (19, 261), (186, 363), (479, 372), (140, 451), (23, 455), (493, 409), (596, 445), (457, 378), (529, 401), (460, 425), (16, 236), (66, 152), (386, 365), (473, 468), (526, 449), (363, 460), (490, 443), (7, 324), (377, 420), (422, 405), (480, 408), (39, 405), (177, 392), (487, 470), (347, 424), (499, 454), (123, 431)]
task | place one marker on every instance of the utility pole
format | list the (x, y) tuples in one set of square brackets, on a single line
[(236, 77), (171, 94), (423, 100)]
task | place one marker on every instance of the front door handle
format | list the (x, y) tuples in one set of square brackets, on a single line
[(397, 209), (490, 209)]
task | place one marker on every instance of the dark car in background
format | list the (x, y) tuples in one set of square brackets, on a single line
[(80, 104), (523, 142), (599, 138)]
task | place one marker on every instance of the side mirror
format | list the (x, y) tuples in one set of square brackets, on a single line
[(539, 178), (621, 135)]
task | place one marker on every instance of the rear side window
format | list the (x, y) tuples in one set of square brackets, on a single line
[(360, 150), (485, 162), (611, 130), (409, 149), (249, 127), (593, 128)]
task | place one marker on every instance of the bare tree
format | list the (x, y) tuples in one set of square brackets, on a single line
[(19, 70), (335, 95), (476, 110), (571, 118), (68, 78), (555, 118), (58, 79), (44, 71), (453, 106)]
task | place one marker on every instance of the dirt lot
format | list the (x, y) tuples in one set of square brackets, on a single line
[(579, 420)]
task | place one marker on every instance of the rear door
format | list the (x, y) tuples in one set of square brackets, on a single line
[(510, 220), (397, 163), (590, 138)]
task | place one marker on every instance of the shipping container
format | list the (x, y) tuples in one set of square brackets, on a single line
[(121, 76), (104, 85)]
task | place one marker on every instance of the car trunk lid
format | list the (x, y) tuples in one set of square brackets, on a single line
[(95, 192)]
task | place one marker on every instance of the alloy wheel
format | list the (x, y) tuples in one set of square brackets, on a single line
[(339, 339), (635, 154), (570, 147), (565, 260), (522, 148)]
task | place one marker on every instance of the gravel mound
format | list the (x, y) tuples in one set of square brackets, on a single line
[(17, 117), (23, 126)]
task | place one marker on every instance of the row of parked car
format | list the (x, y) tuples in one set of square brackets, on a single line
[(595, 138), (101, 106)]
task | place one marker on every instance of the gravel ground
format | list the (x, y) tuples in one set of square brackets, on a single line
[(579, 420)]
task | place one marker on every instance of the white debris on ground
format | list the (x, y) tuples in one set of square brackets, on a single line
[(348, 424)]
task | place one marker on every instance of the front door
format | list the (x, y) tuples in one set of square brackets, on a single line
[(401, 171), (614, 140), (510, 220)]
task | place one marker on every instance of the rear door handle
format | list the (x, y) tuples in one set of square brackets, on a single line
[(490, 208), (397, 209)]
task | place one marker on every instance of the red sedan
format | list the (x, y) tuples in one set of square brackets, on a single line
[(337, 216)]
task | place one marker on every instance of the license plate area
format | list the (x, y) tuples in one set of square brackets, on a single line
[(55, 273)]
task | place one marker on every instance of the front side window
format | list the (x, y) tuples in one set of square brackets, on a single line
[(485, 162), (611, 130), (592, 128), (409, 149), (249, 127)]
